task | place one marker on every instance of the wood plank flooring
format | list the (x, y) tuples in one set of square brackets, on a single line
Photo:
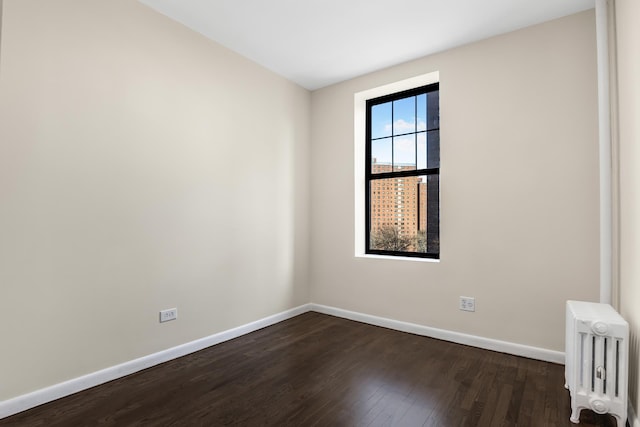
[(319, 370)]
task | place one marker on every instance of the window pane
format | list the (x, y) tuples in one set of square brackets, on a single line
[(421, 113), (404, 115), (402, 217), (381, 152), (404, 152), (433, 110), (433, 149), (381, 120), (421, 139), (432, 231)]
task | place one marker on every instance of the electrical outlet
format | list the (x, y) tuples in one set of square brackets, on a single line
[(467, 304), (169, 314)]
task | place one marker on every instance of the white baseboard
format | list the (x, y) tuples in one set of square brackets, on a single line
[(457, 337), (39, 397), (632, 417)]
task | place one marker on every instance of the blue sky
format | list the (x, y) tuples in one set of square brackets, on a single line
[(405, 120)]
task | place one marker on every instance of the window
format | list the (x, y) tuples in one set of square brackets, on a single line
[(402, 170)]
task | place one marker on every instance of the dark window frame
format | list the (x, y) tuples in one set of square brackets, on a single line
[(370, 176)]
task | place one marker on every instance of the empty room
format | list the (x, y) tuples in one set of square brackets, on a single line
[(330, 213)]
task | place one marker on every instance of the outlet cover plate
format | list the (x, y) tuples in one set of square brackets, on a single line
[(467, 304), (169, 314)]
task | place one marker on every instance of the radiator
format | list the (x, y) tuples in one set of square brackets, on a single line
[(596, 360)]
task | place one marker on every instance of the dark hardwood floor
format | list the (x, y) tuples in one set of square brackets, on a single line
[(319, 370)]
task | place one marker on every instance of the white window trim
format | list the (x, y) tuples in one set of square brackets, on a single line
[(359, 144)]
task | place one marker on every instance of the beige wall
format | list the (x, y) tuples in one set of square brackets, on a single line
[(142, 167), (1, 7), (628, 45), (519, 190)]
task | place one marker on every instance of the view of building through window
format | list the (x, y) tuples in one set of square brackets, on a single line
[(403, 181)]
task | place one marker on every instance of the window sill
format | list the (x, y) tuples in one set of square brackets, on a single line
[(397, 258)]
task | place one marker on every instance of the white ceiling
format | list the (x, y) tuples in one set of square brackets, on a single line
[(319, 42)]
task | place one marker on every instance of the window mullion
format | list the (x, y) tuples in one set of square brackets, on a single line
[(415, 128)]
